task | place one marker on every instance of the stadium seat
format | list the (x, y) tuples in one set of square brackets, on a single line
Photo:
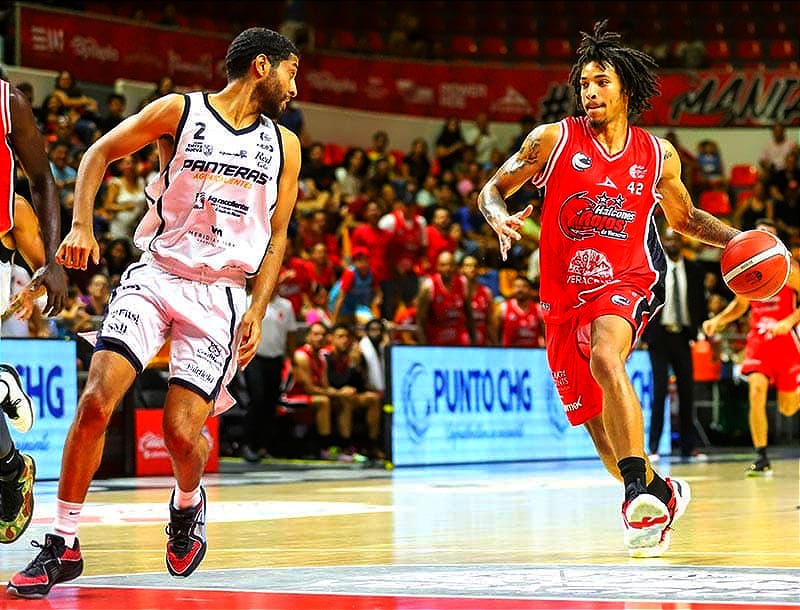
[(333, 154), (526, 49), (463, 46), (493, 47), (749, 50), (742, 195), (374, 41), (717, 203), (464, 24), (774, 27), (524, 26), (783, 51), (713, 28), (557, 49), (743, 29), (494, 25), (743, 175), (718, 51), (344, 40)]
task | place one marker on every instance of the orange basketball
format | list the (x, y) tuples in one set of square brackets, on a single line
[(755, 264)]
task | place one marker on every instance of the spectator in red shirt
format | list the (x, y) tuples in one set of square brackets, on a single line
[(315, 231), (321, 269), (443, 313), (374, 240), (439, 239), (519, 319), (294, 281)]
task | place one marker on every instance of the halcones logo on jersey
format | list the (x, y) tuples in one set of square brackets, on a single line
[(581, 161), (582, 217)]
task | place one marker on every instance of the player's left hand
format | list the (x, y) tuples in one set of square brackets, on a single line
[(54, 280), (251, 336), (507, 229), (782, 327)]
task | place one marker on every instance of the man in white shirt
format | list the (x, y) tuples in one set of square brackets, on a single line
[(773, 155), (264, 375)]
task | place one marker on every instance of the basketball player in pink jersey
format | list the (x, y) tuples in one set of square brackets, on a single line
[(772, 355), (603, 268), (22, 140), (218, 214)]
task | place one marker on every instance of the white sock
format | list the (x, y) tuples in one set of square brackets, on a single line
[(186, 499), (66, 521)]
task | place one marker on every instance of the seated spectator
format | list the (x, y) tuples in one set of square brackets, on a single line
[(164, 86), (449, 144), (371, 237), (757, 205), (73, 319), (346, 369), (438, 232), (711, 171), (314, 172), (417, 163), (357, 291), (97, 296), (319, 311), (309, 369), (115, 113), (518, 320), (292, 118), (314, 230), (321, 268), (444, 316), (124, 202), (72, 97), (294, 281), (773, 156), (352, 174), (119, 254)]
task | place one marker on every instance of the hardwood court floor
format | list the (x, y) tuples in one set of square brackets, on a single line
[(522, 536)]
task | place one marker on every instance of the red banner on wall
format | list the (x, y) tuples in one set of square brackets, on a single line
[(152, 457), (705, 99), (98, 50)]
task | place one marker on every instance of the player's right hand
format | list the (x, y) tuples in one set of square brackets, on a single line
[(77, 247)]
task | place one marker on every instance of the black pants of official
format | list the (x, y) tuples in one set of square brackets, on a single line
[(263, 379), (673, 350)]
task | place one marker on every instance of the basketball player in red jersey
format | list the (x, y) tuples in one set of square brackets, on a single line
[(602, 265), (442, 307), (481, 303), (519, 319), (772, 355)]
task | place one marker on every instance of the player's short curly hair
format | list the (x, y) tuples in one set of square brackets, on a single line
[(253, 42), (636, 69)]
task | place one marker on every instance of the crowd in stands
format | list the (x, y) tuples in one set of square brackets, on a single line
[(387, 246)]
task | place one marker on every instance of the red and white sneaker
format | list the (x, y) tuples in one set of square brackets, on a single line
[(55, 563), (645, 517), (186, 542), (681, 495)]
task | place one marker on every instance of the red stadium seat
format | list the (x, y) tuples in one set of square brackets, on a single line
[(344, 40), (783, 50), (774, 27), (526, 48), (493, 47), (743, 28), (742, 195), (494, 25), (713, 28), (749, 50), (743, 175), (715, 202), (718, 51), (374, 42), (557, 49), (464, 24), (463, 46)]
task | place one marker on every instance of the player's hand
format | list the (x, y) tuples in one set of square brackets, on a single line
[(53, 279), (782, 327), (77, 247), (709, 328), (251, 336), (507, 229)]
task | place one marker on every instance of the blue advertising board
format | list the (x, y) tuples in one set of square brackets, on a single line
[(47, 370), (459, 405)]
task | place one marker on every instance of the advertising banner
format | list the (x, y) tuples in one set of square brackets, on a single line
[(151, 453), (708, 98), (47, 370), (466, 405), (98, 50)]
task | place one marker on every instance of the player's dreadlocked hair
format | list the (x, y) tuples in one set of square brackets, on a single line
[(635, 69), (251, 43)]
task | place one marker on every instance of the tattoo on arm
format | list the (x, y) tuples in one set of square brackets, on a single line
[(709, 229), (667, 155)]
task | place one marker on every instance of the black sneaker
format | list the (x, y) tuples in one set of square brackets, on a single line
[(760, 468), (16, 501), (55, 563), (186, 545)]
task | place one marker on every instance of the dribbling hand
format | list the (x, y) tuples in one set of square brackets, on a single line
[(507, 229)]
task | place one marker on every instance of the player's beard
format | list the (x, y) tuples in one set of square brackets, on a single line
[(269, 95)]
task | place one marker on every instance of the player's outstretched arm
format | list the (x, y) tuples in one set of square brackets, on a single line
[(524, 165), (679, 209)]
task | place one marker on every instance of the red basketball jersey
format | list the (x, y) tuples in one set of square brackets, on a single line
[(446, 317), (764, 314), (480, 304), (6, 161), (597, 217), (521, 327)]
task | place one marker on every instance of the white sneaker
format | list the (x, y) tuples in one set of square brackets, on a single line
[(681, 495), (645, 518), (17, 405)]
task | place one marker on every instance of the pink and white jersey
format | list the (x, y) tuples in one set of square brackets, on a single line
[(6, 161), (210, 208), (598, 213)]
